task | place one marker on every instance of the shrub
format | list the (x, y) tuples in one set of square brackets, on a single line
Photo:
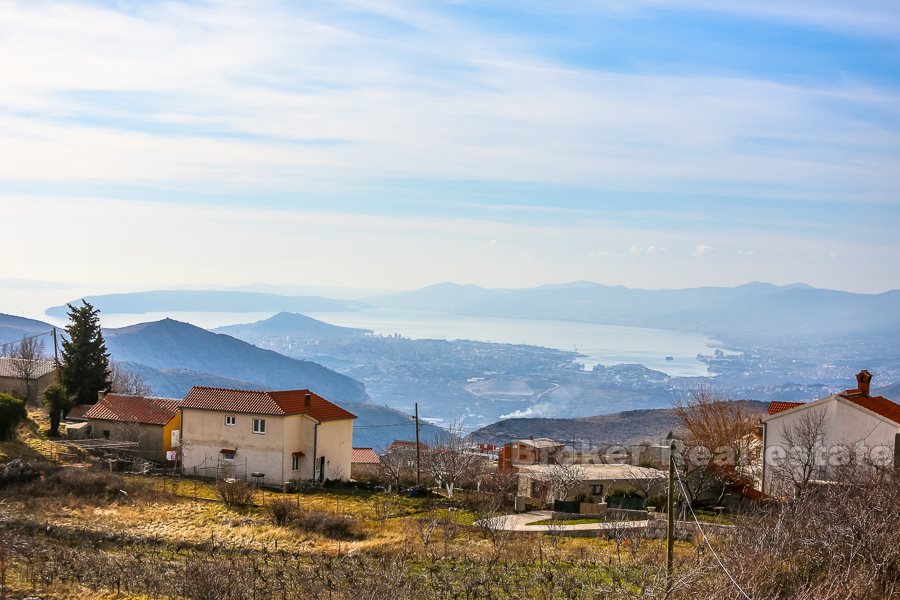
[(338, 527), (625, 498), (235, 492), (282, 511), (83, 483), (12, 412), (660, 502)]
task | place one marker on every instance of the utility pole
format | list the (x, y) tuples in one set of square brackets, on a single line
[(418, 469), (670, 512), (55, 354), (55, 347)]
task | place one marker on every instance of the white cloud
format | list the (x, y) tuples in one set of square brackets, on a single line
[(743, 252), (702, 250), (261, 96), (649, 250)]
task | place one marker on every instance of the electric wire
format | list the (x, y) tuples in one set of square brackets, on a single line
[(706, 539)]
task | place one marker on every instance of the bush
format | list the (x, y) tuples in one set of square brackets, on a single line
[(660, 502), (338, 527), (83, 483), (235, 492), (629, 498), (282, 511), (12, 412)]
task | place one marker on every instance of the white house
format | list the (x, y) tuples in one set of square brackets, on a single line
[(275, 436), (806, 441)]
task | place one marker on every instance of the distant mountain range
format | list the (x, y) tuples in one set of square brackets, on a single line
[(754, 309), (295, 325), (207, 301), (628, 427), (751, 309)]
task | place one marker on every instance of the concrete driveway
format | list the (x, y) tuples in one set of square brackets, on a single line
[(520, 522)]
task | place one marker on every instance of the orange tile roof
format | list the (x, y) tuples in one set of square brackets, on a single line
[(134, 409), (777, 407), (364, 456), (292, 402), (877, 404)]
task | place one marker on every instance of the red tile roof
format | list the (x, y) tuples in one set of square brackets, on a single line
[(363, 456), (777, 407), (134, 409), (877, 404), (292, 402)]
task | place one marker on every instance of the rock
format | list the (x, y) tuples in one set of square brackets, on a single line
[(17, 471)]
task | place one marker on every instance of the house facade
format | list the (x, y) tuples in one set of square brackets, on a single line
[(30, 389), (273, 437), (153, 423), (805, 442), (598, 480)]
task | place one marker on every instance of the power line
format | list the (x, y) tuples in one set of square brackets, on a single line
[(706, 539)]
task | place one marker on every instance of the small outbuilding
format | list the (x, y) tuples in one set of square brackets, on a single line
[(154, 423)]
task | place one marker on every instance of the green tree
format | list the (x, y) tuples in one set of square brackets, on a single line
[(57, 402), (85, 360), (12, 410)]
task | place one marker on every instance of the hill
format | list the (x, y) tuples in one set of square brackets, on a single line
[(292, 325), (440, 297), (208, 301), (13, 328), (628, 427), (170, 344)]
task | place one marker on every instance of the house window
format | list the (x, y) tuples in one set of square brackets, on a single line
[(259, 425), (597, 490), (228, 457), (295, 462), (230, 420), (106, 434)]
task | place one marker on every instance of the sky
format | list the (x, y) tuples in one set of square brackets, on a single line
[(390, 144)]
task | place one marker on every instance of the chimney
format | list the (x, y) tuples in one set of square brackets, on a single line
[(101, 395), (307, 400), (863, 379)]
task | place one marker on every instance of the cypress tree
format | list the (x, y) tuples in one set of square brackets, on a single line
[(85, 359)]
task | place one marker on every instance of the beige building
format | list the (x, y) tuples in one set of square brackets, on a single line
[(153, 423), (274, 437), (13, 380), (535, 481), (804, 441)]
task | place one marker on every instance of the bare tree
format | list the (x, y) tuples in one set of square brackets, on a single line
[(124, 381), (803, 440), (395, 466), (720, 447), (563, 479), (29, 358), (450, 462)]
